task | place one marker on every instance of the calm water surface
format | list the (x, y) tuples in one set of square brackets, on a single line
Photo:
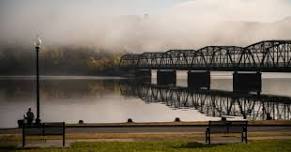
[(100, 100)]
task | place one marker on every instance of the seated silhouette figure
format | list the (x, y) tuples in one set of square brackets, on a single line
[(29, 116)]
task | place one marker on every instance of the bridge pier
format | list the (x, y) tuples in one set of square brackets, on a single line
[(166, 77), (198, 79), (247, 82), (144, 75)]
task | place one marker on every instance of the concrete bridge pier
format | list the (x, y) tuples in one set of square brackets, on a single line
[(166, 77), (198, 79), (247, 82), (144, 74)]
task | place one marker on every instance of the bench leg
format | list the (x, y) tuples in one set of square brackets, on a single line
[(246, 137), (23, 140), (207, 137), (64, 134), (64, 142), (23, 136)]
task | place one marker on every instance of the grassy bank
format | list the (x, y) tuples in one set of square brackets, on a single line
[(258, 141), (172, 146)]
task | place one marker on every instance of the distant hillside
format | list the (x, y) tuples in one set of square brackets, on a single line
[(59, 61)]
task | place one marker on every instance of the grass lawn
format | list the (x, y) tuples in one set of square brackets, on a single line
[(172, 146)]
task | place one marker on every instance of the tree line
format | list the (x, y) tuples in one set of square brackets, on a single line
[(59, 61)]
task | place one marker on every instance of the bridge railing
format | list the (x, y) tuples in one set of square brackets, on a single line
[(265, 55)]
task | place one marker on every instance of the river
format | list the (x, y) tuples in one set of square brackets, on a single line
[(100, 99)]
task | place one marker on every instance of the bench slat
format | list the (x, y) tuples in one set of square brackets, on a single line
[(33, 131), (53, 131)]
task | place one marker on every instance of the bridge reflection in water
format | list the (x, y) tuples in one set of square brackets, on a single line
[(213, 103)]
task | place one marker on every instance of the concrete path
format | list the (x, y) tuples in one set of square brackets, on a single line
[(165, 129), (149, 129)]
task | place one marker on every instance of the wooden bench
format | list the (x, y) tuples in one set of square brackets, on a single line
[(43, 129), (227, 127)]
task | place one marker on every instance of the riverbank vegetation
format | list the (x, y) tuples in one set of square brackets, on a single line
[(19, 60)]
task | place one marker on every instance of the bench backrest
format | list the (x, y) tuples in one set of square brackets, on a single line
[(227, 126), (54, 128)]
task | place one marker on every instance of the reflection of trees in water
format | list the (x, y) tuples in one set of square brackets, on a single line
[(214, 103), (58, 89), (77, 88), (13, 89)]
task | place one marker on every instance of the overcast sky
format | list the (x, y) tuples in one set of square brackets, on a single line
[(110, 6), (259, 9), (110, 24)]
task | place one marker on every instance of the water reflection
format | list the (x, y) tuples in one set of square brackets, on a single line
[(213, 103), (92, 100), (11, 90), (107, 100), (61, 100)]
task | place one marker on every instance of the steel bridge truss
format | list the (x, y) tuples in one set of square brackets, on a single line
[(271, 55), (214, 103)]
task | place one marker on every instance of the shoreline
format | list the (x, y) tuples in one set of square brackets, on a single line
[(260, 123), (178, 124)]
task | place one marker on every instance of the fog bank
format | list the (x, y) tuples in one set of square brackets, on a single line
[(137, 26)]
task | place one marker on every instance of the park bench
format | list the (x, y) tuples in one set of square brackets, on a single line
[(43, 129), (227, 127)]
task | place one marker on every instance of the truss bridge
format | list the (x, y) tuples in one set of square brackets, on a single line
[(268, 56), (246, 62)]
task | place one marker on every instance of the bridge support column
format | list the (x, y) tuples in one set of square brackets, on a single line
[(247, 82), (198, 79), (166, 77), (143, 74)]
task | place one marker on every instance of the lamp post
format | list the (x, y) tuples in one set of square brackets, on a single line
[(37, 44)]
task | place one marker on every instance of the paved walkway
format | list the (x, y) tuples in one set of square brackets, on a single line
[(166, 129), (148, 129)]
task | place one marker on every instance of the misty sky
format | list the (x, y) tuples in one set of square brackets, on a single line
[(118, 7), (122, 24)]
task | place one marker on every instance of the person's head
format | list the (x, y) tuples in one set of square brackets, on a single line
[(29, 109)]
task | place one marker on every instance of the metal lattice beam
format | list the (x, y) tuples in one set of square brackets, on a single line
[(272, 55)]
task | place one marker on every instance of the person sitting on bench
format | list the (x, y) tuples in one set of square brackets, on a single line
[(29, 116)]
